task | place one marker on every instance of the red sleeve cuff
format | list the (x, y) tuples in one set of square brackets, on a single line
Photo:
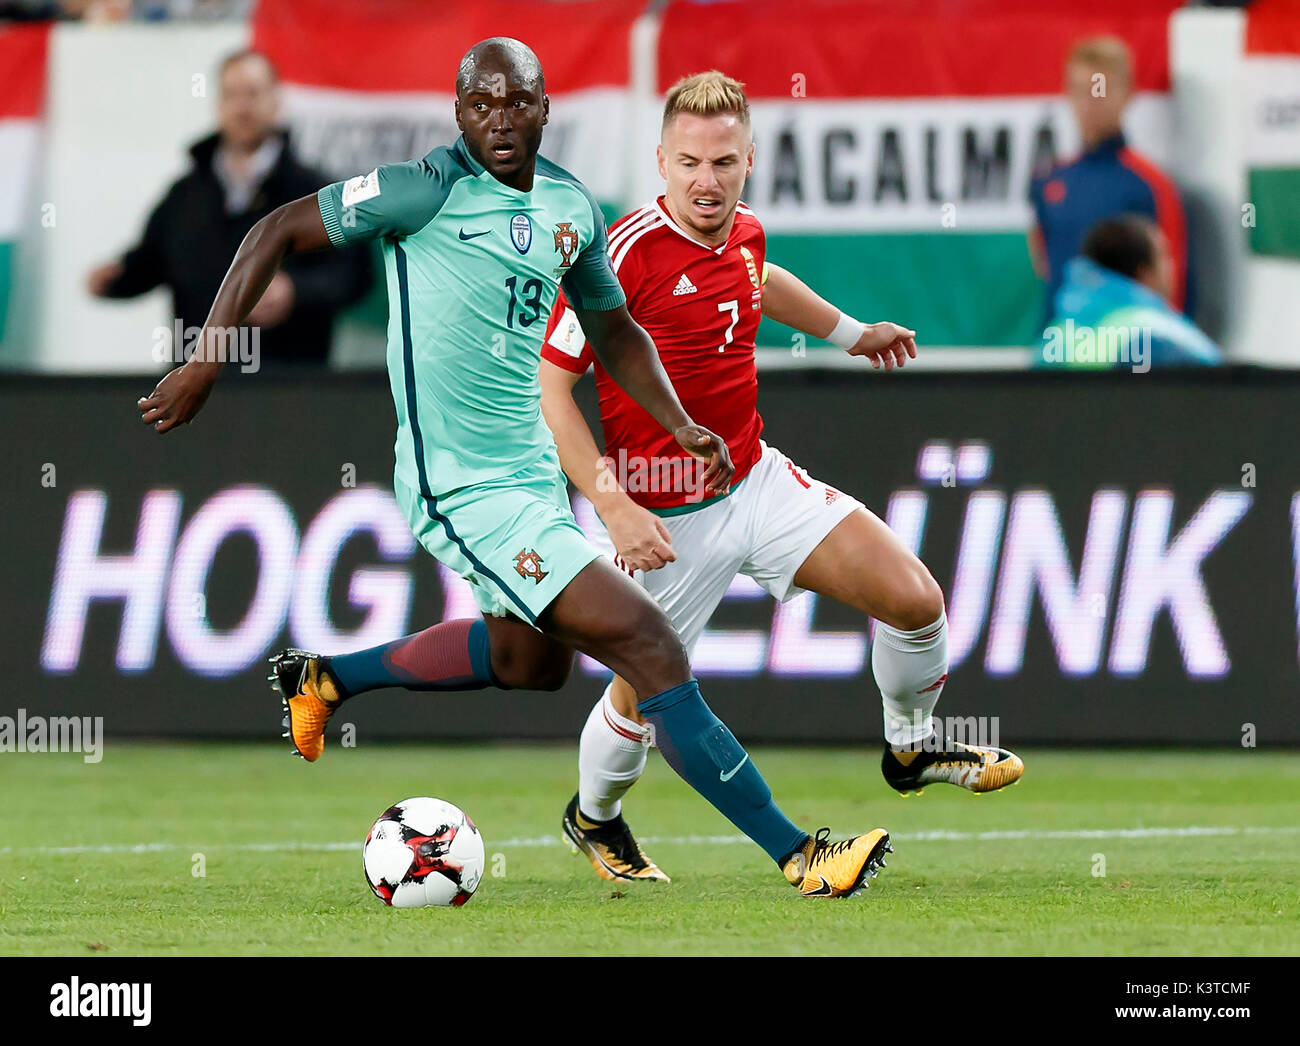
[(578, 365)]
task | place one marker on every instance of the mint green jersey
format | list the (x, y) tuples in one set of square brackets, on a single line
[(473, 268)]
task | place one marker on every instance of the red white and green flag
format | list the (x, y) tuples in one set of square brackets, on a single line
[(23, 51), (374, 82), (1271, 100), (895, 147)]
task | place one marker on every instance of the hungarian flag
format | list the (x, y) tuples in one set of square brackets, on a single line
[(1271, 98), (23, 50), (895, 143), (374, 82)]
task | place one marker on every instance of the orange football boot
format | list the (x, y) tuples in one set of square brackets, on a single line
[(826, 869), (309, 696)]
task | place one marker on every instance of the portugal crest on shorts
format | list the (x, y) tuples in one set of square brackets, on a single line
[(521, 233), (566, 242), (529, 565)]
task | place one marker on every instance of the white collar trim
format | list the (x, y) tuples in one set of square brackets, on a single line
[(668, 218)]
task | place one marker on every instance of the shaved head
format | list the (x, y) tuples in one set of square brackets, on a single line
[(501, 108), (500, 56)]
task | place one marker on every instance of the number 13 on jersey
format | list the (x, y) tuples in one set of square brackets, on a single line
[(528, 302)]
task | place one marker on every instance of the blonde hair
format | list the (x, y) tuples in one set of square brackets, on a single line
[(1106, 52), (707, 94)]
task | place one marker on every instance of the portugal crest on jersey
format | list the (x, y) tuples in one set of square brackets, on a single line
[(566, 242), (529, 565), (521, 233)]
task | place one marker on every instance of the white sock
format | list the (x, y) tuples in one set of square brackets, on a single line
[(611, 756), (910, 669)]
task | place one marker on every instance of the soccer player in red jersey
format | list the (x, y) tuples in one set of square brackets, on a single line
[(693, 266)]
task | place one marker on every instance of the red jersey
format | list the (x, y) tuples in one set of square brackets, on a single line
[(701, 305)]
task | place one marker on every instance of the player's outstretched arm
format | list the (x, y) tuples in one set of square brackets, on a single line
[(787, 299), (295, 227), (639, 536), (625, 350)]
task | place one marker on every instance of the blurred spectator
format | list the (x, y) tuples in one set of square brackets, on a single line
[(122, 10), (30, 10), (193, 10), (1107, 179), (1119, 290), (69, 10), (240, 174)]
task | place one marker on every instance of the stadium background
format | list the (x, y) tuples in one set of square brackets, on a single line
[(153, 576)]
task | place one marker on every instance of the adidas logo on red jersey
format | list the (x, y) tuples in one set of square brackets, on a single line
[(684, 286)]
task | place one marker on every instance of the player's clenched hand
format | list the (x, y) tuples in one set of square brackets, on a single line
[(177, 398), (639, 536), (704, 444), (887, 343)]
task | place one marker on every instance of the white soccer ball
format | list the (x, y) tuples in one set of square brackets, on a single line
[(423, 852)]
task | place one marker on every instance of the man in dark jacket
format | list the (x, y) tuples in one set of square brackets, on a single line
[(240, 174), (1107, 179)]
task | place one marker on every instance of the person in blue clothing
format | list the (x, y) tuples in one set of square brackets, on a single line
[(1113, 308), (1107, 179)]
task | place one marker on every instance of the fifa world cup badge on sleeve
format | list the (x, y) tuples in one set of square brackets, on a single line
[(361, 188)]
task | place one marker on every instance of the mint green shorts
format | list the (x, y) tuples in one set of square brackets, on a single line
[(513, 539)]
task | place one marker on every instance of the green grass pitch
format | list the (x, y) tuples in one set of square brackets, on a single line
[(1200, 853)]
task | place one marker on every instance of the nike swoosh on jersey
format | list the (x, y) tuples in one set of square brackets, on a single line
[(734, 770), (473, 235)]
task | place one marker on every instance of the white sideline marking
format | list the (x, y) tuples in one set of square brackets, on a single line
[(936, 835)]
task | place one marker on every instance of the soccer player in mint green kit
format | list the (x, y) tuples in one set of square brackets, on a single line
[(477, 238)]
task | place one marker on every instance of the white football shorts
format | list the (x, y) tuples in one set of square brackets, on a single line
[(765, 528)]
